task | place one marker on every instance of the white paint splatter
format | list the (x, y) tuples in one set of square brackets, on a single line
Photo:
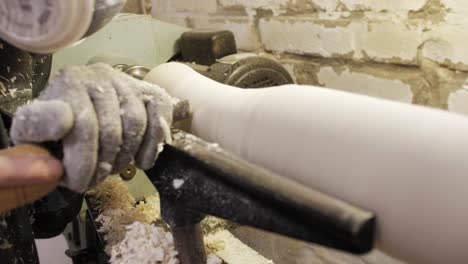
[(177, 183)]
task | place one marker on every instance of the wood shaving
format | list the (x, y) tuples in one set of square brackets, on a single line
[(212, 225), (111, 194), (145, 244), (134, 232), (118, 210), (232, 250)]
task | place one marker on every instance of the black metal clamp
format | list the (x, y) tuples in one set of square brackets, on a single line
[(195, 178)]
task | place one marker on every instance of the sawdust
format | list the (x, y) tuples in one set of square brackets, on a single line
[(145, 244), (134, 231), (232, 250), (111, 194), (216, 245), (118, 209), (212, 225)]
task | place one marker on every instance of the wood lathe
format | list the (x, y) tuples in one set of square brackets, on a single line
[(306, 162), (215, 182)]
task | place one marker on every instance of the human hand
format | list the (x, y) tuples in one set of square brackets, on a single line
[(27, 173), (104, 118)]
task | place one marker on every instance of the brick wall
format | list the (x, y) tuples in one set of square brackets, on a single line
[(406, 50)]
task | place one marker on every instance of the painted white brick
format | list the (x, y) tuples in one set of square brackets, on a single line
[(387, 5), (332, 5), (446, 43), (278, 7), (328, 5), (380, 41), (456, 5), (164, 11), (266, 4), (304, 36), (366, 84), (389, 41), (243, 28), (208, 6)]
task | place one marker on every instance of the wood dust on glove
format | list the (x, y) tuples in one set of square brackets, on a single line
[(104, 118)]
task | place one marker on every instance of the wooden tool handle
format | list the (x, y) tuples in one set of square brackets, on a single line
[(13, 197)]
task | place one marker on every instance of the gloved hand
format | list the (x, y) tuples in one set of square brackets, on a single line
[(105, 119)]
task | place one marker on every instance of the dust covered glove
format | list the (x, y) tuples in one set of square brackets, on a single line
[(104, 118)]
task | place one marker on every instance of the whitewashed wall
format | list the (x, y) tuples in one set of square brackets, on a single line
[(411, 51)]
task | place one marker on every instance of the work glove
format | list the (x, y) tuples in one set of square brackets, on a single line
[(104, 119)]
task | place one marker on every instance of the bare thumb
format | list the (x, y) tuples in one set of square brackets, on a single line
[(27, 173)]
